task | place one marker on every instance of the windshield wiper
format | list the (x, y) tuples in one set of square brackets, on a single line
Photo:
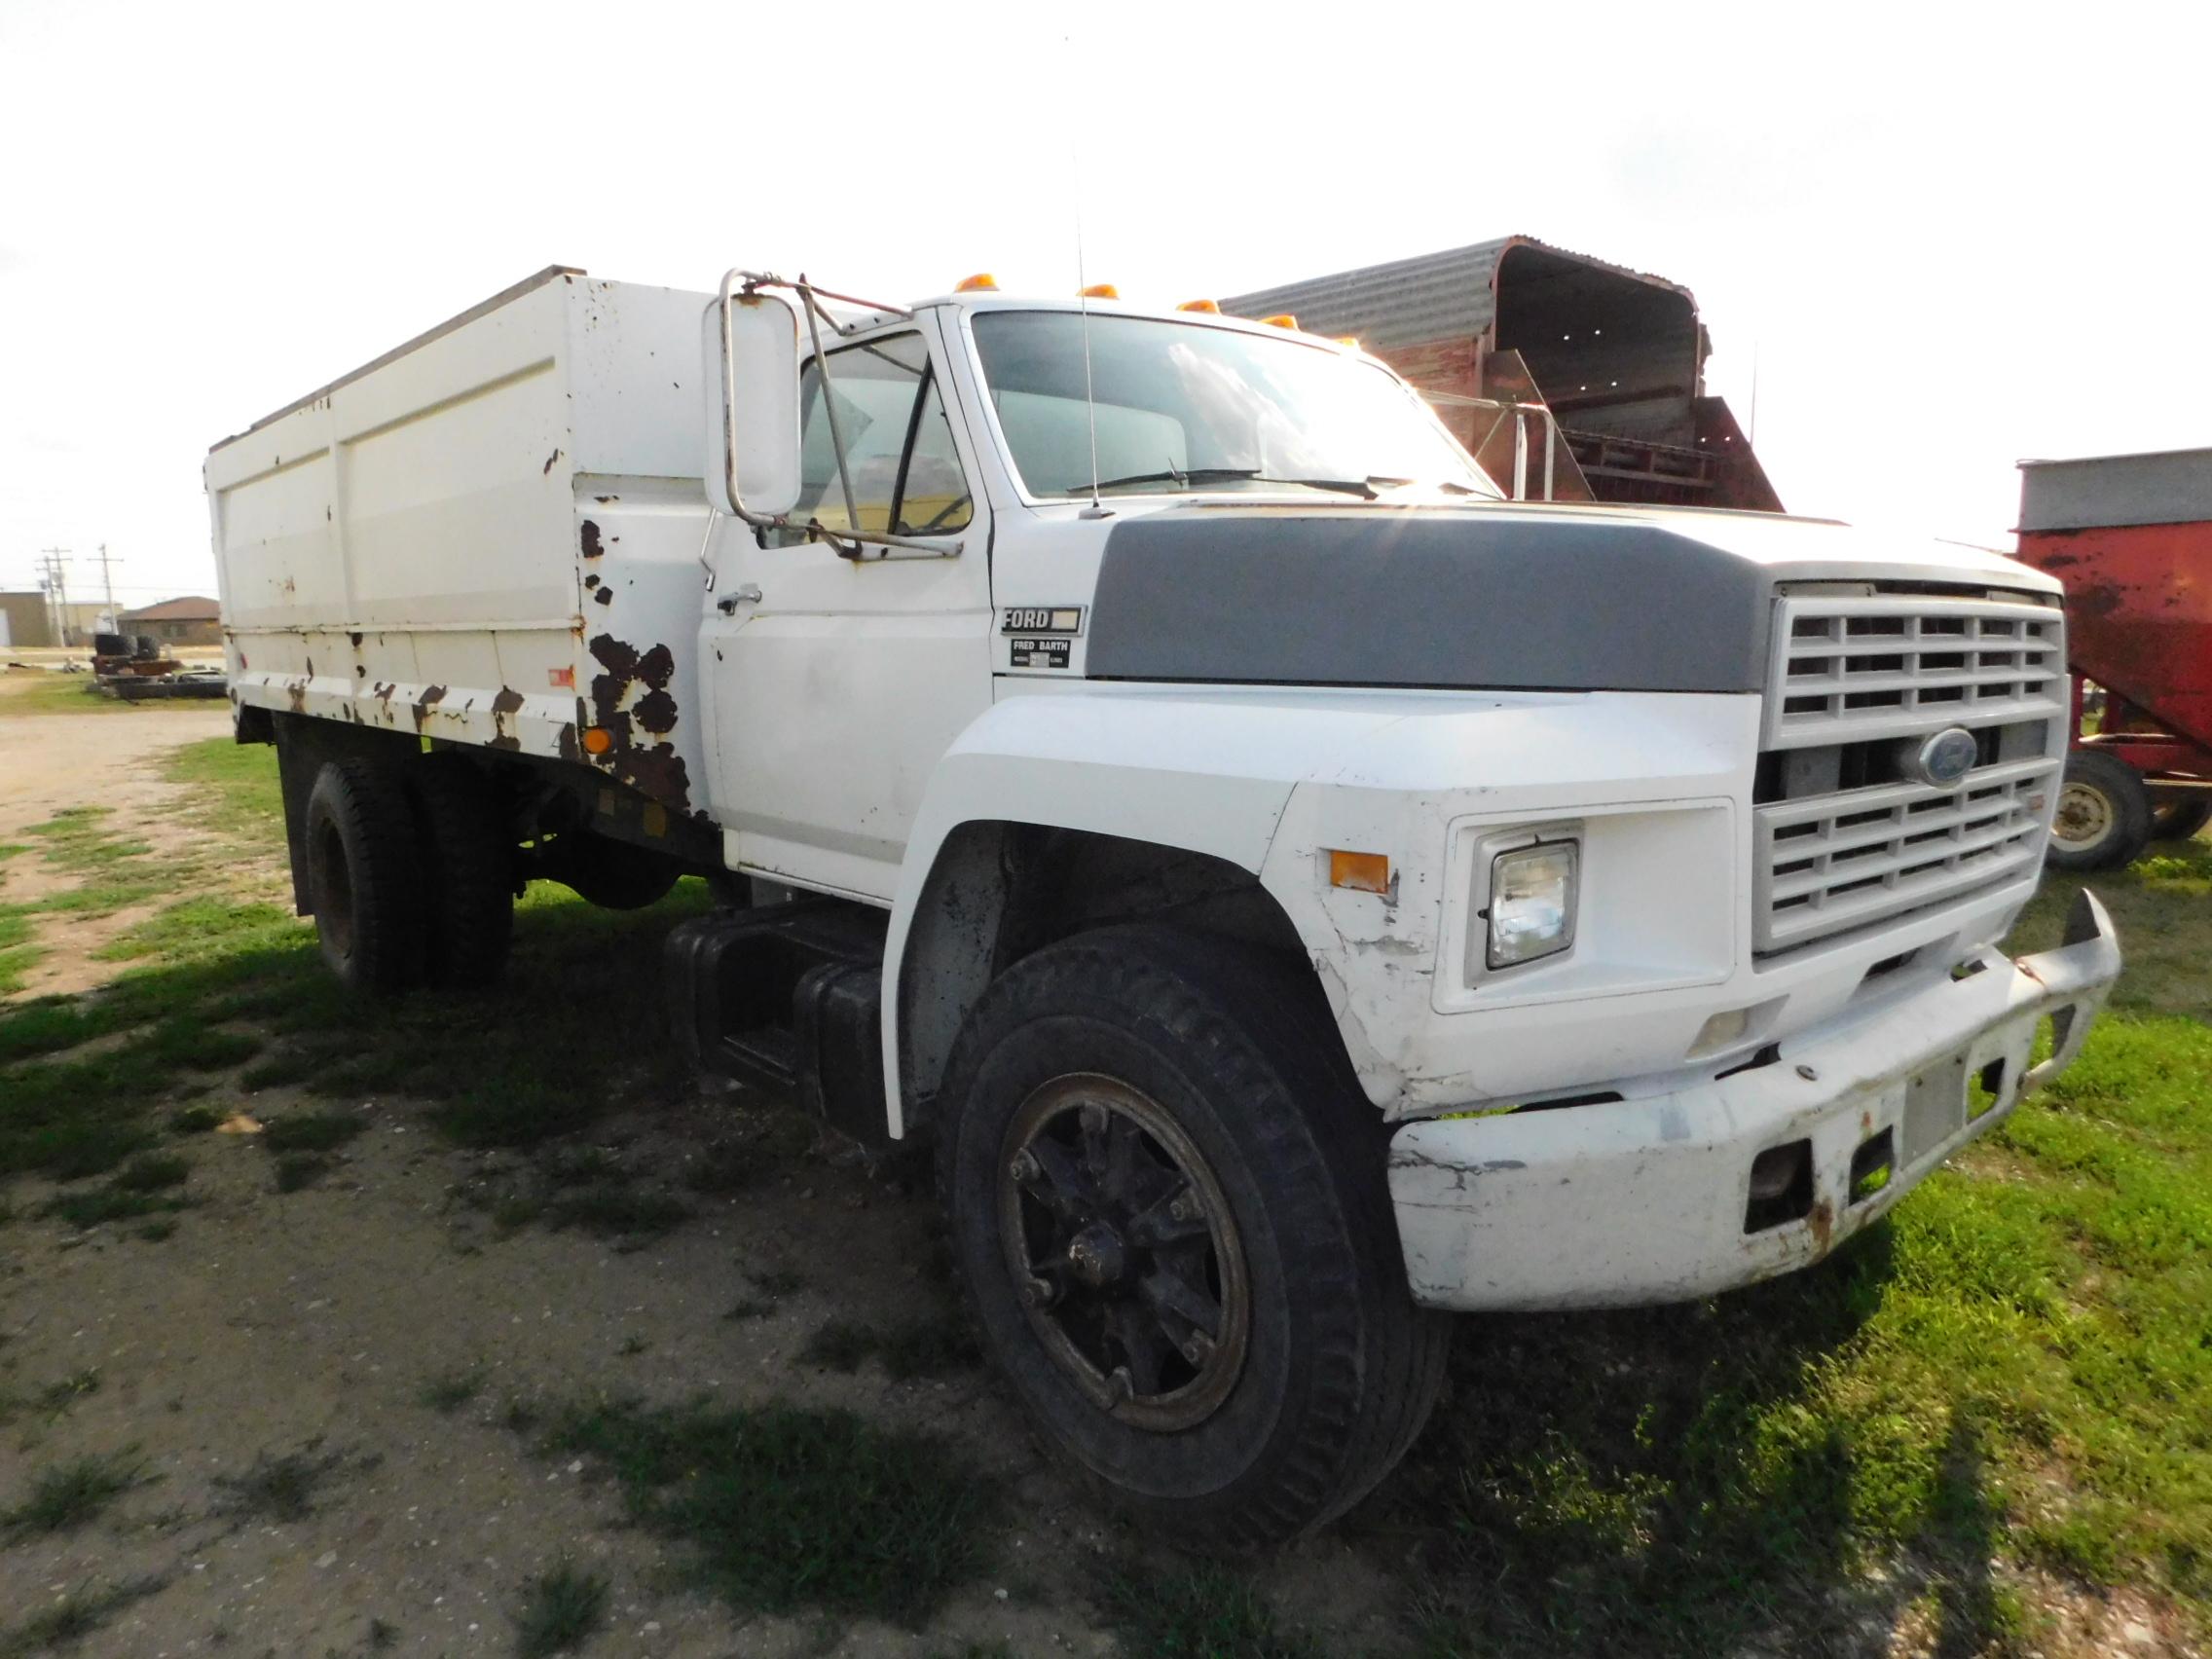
[(1248, 475), (1190, 475)]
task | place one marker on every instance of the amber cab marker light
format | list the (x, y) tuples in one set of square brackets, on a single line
[(982, 283), (1212, 308), (1281, 319), (1362, 872), (598, 740), (1101, 291)]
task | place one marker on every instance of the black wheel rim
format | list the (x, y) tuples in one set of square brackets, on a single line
[(1124, 1252)]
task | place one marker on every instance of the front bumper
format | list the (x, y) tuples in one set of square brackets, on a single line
[(1648, 1200)]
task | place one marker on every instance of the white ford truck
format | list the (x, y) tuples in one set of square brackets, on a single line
[(1302, 893)]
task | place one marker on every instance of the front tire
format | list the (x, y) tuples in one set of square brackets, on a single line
[(1168, 1206), (2104, 814), (364, 877)]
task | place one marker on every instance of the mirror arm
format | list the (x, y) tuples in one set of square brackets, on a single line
[(848, 545), (829, 401)]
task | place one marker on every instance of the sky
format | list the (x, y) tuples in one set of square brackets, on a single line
[(1938, 238)]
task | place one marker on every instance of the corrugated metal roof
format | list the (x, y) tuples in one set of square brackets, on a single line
[(2104, 491), (1437, 296), (194, 607), (1409, 302)]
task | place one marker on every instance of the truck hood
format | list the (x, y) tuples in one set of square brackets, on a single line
[(1481, 597)]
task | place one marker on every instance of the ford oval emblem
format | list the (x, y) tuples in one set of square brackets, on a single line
[(1945, 757)]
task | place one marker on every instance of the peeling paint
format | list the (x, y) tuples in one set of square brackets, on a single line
[(504, 706), (655, 768)]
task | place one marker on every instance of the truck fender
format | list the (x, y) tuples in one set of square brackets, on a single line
[(1186, 775)]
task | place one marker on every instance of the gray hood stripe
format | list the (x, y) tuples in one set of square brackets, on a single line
[(1367, 597)]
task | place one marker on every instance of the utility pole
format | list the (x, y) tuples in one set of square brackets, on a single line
[(57, 589), (107, 582)]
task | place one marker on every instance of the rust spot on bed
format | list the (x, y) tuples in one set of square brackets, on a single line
[(503, 710), (630, 696), (587, 538), (432, 696)]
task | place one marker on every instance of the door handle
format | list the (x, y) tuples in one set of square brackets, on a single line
[(749, 594)]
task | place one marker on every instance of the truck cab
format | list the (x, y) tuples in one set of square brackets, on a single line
[(1301, 893)]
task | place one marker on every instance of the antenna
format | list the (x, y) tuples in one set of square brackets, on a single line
[(1082, 301), (1752, 436)]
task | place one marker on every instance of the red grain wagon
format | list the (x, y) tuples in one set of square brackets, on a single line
[(2130, 536)]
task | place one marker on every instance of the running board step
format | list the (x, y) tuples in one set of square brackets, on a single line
[(788, 999)]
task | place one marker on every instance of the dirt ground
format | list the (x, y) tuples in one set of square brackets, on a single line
[(48, 762), (309, 1324)]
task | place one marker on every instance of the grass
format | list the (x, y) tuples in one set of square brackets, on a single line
[(279, 1489), (73, 1494), (77, 1614), (448, 1391), (783, 1509), (152, 1174), (1195, 1612), (2013, 1373), (618, 1212), (926, 1346), (51, 1401), (311, 1131), (87, 1208), (560, 1610), (41, 691), (298, 1169)]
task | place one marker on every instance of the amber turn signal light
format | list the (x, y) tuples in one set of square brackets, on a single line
[(1362, 872)]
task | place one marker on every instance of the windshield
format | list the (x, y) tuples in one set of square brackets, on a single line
[(1186, 406)]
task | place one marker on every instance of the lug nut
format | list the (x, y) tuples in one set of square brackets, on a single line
[(1024, 1165)]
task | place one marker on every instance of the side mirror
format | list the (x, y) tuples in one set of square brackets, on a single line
[(750, 345)]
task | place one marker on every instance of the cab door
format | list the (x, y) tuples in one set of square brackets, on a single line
[(836, 683)]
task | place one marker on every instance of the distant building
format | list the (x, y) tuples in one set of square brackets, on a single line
[(193, 620), (27, 618)]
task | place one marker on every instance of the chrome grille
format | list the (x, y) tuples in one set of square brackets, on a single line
[(1858, 677), (1888, 666)]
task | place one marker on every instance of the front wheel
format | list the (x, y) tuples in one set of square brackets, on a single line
[(2103, 820), (1168, 1206)]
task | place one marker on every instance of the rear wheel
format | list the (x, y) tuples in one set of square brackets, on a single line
[(2178, 820), (468, 868), (364, 877), (1168, 1206), (2104, 814)]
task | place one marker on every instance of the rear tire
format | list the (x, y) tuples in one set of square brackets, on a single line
[(469, 863), (364, 877), (2180, 821), (1189, 1091), (2104, 814)]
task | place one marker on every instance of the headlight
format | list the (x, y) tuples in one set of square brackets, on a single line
[(1531, 903)]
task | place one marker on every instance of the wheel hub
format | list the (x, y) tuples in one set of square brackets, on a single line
[(1128, 1257), (2083, 814), (1096, 1256)]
